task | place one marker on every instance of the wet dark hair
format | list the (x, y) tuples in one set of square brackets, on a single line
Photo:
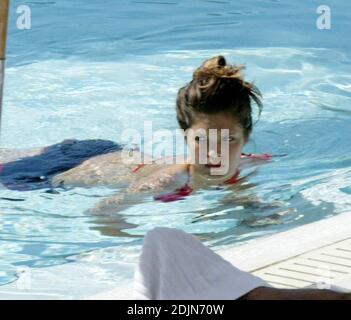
[(36, 172), (217, 87)]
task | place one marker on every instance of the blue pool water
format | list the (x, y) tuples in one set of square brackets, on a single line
[(89, 69)]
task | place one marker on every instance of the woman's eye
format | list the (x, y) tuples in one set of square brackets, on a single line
[(198, 139), (230, 139)]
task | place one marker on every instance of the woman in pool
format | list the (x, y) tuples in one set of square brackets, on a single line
[(216, 98)]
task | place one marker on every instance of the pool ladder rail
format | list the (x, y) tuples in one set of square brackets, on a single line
[(4, 13)]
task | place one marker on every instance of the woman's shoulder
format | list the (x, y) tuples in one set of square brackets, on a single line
[(104, 169)]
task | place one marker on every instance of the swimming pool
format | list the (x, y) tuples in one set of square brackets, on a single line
[(85, 69)]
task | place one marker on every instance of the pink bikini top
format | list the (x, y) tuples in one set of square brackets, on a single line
[(184, 191)]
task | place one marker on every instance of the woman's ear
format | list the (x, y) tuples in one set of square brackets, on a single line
[(247, 137)]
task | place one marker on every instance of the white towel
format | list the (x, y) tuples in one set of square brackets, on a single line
[(175, 265)]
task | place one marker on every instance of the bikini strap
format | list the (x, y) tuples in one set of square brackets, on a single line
[(234, 178), (263, 156)]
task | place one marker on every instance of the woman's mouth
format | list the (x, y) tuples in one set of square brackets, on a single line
[(213, 165)]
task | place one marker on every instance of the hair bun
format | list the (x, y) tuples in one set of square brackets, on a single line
[(214, 62), (214, 69)]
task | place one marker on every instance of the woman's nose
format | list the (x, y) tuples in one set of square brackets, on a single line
[(213, 155)]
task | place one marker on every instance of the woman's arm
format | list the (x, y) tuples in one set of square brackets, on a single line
[(157, 181)]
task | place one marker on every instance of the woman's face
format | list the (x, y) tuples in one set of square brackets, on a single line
[(215, 154)]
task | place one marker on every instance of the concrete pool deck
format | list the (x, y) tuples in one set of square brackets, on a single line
[(305, 256)]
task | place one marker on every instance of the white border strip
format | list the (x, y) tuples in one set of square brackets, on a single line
[(288, 244)]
